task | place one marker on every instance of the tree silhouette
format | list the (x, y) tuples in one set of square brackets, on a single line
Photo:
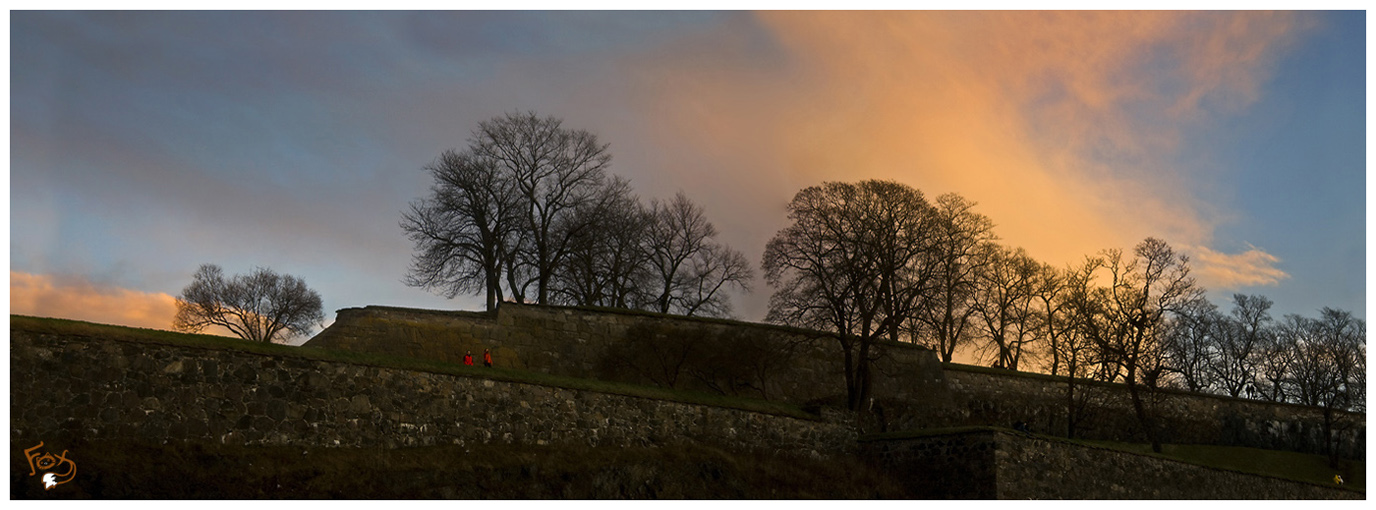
[(554, 170), (1132, 313), (464, 230), (689, 269), (850, 263), (961, 250), (261, 306)]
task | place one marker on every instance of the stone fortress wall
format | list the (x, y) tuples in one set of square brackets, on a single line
[(996, 397), (70, 386), (912, 388), (93, 388), (797, 365)]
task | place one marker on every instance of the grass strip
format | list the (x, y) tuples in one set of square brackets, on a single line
[(1300, 467)]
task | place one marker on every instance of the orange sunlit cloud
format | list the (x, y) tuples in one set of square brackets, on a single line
[(1038, 117), (45, 296), (1224, 271)]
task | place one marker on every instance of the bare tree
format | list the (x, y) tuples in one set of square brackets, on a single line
[(963, 240), (553, 170), (464, 229), (508, 209), (711, 271), (1004, 302), (1141, 292), (261, 306), (1074, 347), (1052, 290), (1328, 368), (1239, 339), (690, 269), (606, 263), (833, 267), (1192, 344), (1278, 355)]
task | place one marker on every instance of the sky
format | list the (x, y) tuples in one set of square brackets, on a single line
[(144, 144)]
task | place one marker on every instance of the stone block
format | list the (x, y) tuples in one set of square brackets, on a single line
[(359, 404)]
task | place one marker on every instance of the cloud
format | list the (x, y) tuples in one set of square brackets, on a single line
[(47, 296), (1063, 126), (1224, 271)]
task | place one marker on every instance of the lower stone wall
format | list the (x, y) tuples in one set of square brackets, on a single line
[(91, 388), (940, 466), (994, 464)]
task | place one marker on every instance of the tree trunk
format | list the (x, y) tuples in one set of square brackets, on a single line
[(1143, 417), (1330, 446), (852, 396), (862, 373)]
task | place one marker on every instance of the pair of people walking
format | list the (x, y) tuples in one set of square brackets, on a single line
[(487, 358)]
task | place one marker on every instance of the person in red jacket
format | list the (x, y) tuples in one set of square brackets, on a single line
[(468, 358), (487, 357)]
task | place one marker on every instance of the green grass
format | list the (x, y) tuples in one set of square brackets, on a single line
[(1274, 463), (1281, 464), (930, 432), (127, 334)]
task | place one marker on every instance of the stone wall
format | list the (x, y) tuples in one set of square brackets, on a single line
[(912, 388), (939, 466), (994, 464), (984, 396), (804, 366), (91, 388)]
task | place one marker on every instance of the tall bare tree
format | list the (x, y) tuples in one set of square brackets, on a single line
[(1052, 290), (690, 269), (1075, 347), (261, 306), (553, 170), (506, 209), (1142, 292), (1239, 340), (833, 267), (963, 241), (1328, 369), (464, 229), (1278, 356), (606, 263), (1191, 339), (1005, 304)]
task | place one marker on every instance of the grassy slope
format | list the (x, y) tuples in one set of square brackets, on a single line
[(121, 333), (1280, 464), (116, 469)]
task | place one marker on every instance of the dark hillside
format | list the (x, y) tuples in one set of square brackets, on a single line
[(113, 469)]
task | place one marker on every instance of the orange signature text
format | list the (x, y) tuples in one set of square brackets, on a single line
[(52, 466)]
